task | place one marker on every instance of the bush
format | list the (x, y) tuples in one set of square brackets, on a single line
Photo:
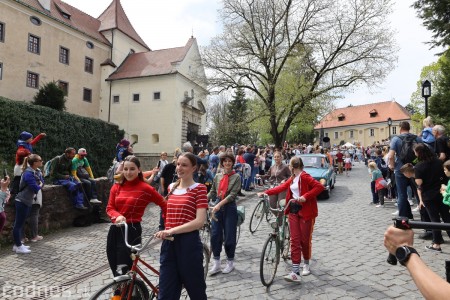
[(50, 95), (63, 130)]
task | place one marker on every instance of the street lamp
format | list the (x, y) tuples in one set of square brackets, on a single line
[(389, 121), (426, 92)]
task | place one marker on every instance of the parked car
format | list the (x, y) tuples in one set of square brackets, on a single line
[(318, 166)]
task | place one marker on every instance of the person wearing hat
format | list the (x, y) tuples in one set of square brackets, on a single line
[(82, 172), (123, 149)]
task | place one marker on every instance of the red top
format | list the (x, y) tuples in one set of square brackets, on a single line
[(309, 188), (182, 205), (23, 152), (340, 157), (240, 159), (131, 199)]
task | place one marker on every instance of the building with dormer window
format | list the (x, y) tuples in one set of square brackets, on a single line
[(363, 124), (105, 69)]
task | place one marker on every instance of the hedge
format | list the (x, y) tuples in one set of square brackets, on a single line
[(62, 129)]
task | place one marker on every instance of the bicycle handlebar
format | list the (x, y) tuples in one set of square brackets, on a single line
[(136, 247)]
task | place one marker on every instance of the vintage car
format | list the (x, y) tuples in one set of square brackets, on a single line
[(318, 166)]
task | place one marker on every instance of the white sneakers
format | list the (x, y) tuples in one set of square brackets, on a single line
[(95, 201), (22, 249), (306, 271), (293, 277), (216, 268), (229, 267)]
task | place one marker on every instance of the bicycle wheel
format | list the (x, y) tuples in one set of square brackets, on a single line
[(206, 259), (286, 243), (269, 214), (270, 257), (257, 215), (140, 291)]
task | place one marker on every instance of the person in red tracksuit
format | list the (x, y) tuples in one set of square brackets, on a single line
[(301, 194)]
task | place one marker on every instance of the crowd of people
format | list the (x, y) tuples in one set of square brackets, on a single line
[(185, 186)]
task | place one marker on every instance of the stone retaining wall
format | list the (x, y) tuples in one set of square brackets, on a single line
[(57, 210)]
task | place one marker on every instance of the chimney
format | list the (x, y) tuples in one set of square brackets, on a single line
[(45, 4)]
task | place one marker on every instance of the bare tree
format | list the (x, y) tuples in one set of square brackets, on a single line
[(340, 42)]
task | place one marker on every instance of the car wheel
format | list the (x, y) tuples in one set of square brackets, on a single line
[(324, 195)]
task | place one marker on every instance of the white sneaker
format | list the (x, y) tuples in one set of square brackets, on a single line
[(293, 277), (229, 267), (417, 208), (306, 271), (380, 205), (95, 201), (395, 213), (22, 250), (15, 247), (411, 203), (215, 268)]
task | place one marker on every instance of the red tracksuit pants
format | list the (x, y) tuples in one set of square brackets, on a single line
[(301, 237)]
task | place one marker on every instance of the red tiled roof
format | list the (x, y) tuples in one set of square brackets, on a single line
[(114, 17), (78, 20), (151, 63), (356, 115)]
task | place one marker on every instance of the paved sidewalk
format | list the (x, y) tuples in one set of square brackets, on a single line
[(349, 259)]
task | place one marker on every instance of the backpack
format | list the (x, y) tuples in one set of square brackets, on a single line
[(48, 166), (382, 165), (112, 171), (246, 170), (406, 154)]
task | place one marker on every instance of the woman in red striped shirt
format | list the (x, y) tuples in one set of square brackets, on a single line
[(182, 259), (127, 203)]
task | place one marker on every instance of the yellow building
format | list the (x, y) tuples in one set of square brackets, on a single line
[(106, 70), (363, 124)]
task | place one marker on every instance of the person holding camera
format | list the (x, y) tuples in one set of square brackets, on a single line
[(400, 243), (301, 195)]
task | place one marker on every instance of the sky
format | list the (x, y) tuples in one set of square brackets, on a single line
[(170, 23)]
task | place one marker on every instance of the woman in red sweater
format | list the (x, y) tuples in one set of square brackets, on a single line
[(302, 191), (127, 203)]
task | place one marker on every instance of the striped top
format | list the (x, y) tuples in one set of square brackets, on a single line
[(182, 204)]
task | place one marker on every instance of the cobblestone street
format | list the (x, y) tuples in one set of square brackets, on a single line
[(349, 259)]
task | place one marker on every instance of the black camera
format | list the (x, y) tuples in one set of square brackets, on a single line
[(294, 207)]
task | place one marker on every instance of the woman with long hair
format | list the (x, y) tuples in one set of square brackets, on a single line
[(429, 175), (223, 194), (127, 203), (31, 183), (301, 195), (182, 259)]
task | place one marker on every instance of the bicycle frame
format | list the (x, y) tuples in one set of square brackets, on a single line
[(135, 269)]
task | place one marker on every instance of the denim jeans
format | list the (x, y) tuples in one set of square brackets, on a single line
[(22, 212), (402, 183), (89, 187), (74, 189), (224, 231)]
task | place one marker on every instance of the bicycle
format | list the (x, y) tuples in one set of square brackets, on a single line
[(261, 210), (276, 245), (129, 286)]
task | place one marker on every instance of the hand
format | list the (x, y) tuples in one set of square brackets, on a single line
[(421, 204), (163, 234), (443, 188), (66, 176), (261, 194), (302, 199), (5, 183), (43, 134), (217, 207), (120, 219), (395, 237)]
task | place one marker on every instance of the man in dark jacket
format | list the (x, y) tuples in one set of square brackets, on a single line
[(60, 174)]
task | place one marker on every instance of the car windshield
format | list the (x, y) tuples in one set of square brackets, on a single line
[(314, 162)]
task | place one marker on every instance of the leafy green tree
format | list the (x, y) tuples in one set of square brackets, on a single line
[(237, 112), (436, 17), (347, 43), (440, 97), (50, 95)]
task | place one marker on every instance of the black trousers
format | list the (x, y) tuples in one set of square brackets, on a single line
[(116, 250), (437, 210)]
